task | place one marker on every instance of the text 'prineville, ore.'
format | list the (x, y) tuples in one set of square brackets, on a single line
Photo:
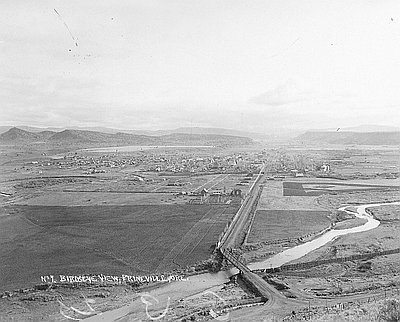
[(110, 279)]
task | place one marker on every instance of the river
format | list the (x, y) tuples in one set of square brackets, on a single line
[(200, 283), (303, 249)]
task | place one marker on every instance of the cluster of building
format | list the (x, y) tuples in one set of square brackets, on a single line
[(173, 162), (209, 164)]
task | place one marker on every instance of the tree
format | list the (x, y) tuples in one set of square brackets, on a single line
[(390, 311)]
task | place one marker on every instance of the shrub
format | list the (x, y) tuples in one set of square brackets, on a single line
[(390, 311)]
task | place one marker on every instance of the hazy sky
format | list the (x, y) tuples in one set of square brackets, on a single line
[(253, 65)]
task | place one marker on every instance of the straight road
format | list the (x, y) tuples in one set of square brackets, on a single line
[(230, 238)]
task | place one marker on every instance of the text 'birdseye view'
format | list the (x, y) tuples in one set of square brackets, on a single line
[(199, 161)]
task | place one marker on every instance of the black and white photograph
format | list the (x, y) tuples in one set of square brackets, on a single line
[(200, 160)]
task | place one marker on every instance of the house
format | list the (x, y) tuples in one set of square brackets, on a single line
[(326, 168), (236, 193), (203, 192)]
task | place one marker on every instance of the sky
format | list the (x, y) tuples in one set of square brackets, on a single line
[(248, 65)]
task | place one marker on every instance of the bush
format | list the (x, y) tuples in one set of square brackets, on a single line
[(390, 311)]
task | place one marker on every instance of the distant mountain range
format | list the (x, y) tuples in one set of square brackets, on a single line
[(343, 137), (17, 136), (362, 134), (182, 130), (365, 128)]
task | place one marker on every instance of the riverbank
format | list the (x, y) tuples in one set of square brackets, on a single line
[(302, 250), (119, 301)]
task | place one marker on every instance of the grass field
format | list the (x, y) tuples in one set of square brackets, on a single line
[(320, 188), (389, 213), (272, 198), (280, 224), (54, 198), (43, 240)]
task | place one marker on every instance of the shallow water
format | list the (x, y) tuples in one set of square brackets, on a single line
[(132, 148), (199, 283), (303, 249)]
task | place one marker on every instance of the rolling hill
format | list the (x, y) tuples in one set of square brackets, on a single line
[(185, 130), (16, 136)]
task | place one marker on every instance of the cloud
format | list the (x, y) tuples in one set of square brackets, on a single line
[(284, 94)]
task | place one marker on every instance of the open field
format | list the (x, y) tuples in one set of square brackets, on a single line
[(346, 278), (80, 212), (369, 163), (354, 162), (381, 238), (319, 188), (333, 202), (281, 224), (327, 195), (134, 219), (273, 198), (43, 240), (367, 275), (102, 198), (384, 237), (387, 214)]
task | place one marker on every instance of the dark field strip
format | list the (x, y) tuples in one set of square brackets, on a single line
[(297, 189), (295, 184), (271, 225), (302, 192), (319, 192), (110, 240)]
